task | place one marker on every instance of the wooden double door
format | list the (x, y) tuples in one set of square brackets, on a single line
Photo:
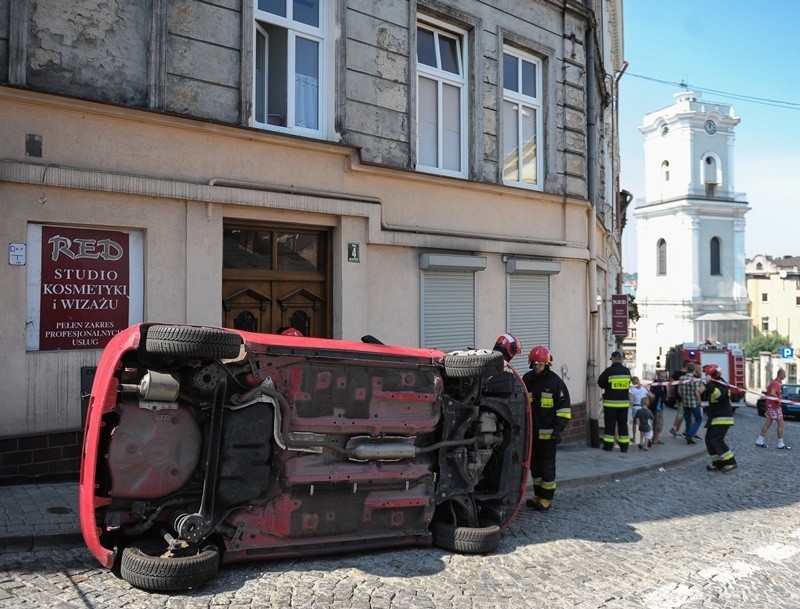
[(276, 277)]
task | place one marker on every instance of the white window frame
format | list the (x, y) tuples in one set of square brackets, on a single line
[(525, 101), (294, 30), (441, 78)]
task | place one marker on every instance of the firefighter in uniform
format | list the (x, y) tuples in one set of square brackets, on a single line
[(550, 404), (615, 381), (720, 419), (508, 345)]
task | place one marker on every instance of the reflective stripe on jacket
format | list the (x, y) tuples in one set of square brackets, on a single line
[(615, 381), (550, 402)]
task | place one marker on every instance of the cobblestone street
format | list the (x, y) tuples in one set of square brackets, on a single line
[(679, 538)]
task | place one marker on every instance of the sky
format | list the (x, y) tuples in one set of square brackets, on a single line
[(727, 50)]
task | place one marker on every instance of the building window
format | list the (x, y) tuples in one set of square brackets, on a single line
[(288, 65), (529, 308), (797, 300), (665, 171), (448, 309), (764, 297), (765, 324), (714, 254), (441, 101), (661, 257), (522, 120)]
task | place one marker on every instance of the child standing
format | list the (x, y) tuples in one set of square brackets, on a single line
[(644, 417)]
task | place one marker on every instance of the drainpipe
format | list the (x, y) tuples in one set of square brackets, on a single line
[(593, 406)]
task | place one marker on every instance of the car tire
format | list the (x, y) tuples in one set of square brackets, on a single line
[(466, 540), (471, 364), (143, 567), (189, 341)]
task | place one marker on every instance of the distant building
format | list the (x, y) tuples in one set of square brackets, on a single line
[(690, 231), (773, 286)]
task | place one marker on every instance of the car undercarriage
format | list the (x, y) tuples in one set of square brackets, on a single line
[(206, 445)]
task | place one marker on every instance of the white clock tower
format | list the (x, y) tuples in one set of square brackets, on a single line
[(690, 232)]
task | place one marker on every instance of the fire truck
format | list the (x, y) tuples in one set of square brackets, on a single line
[(729, 357)]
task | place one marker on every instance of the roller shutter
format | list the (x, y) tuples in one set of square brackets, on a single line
[(448, 309), (529, 309)]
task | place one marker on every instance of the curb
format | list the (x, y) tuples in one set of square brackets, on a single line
[(627, 473), (32, 543)]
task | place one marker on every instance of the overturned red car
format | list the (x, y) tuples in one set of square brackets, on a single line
[(207, 445)]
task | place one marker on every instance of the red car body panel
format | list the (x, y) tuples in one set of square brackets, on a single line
[(321, 446)]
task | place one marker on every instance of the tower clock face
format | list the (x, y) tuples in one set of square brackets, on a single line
[(710, 127)]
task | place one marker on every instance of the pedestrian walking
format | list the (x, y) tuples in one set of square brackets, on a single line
[(615, 381), (774, 412), (656, 400), (674, 399), (551, 412), (720, 420), (691, 390)]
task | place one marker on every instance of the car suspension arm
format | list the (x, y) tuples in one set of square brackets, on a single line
[(194, 527)]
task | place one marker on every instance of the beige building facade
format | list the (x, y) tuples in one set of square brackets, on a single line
[(773, 286), (430, 173)]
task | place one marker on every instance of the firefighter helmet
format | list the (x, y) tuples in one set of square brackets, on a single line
[(540, 354), (508, 345), (712, 370), (291, 332)]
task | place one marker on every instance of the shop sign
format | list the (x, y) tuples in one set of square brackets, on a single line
[(80, 295), (619, 314)]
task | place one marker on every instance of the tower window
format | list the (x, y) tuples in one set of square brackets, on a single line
[(661, 257), (764, 297), (711, 176), (665, 171), (714, 256)]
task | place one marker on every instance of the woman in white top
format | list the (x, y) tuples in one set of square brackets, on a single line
[(638, 398)]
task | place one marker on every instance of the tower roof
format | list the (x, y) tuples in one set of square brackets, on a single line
[(689, 104)]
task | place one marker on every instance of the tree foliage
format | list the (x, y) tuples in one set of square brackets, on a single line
[(770, 343), (633, 309)]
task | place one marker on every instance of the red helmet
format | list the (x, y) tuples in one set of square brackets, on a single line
[(508, 345), (292, 332), (540, 354), (712, 370)]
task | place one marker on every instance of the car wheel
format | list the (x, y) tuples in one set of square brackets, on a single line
[(144, 566), (466, 540), (186, 341), (470, 364)]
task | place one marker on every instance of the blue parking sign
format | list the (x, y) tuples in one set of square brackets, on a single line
[(787, 353)]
